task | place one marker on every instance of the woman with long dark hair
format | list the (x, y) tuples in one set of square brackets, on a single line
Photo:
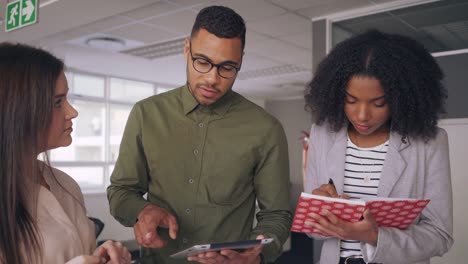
[(42, 214)]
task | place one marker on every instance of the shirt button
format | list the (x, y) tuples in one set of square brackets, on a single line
[(195, 152), (201, 124), (190, 180), (187, 211), (184, 240)]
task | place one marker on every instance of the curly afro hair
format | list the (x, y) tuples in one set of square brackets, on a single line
[(409, 75), (221, 21)]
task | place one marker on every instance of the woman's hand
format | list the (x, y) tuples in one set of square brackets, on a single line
[(329, 191), (113, 252), (110, 252), (365, 230)]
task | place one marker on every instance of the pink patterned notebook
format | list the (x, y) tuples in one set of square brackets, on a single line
[(392, 212)]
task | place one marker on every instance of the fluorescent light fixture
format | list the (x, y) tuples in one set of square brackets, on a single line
[(273, 71), (158, 50)]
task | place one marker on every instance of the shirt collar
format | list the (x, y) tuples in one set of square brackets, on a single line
[(189, 103), (220, 107)]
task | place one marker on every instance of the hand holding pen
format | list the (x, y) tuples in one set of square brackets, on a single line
[(329, 190)]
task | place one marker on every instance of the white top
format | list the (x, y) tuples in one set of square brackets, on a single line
[(363, 168), (63, 225)]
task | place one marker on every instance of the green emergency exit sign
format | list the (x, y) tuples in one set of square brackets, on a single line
[(20, 13)]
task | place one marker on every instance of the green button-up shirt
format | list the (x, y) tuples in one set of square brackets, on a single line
[(206, 165)]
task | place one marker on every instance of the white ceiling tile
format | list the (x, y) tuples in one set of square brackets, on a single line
[(284, 52), (298, 4), (58, 39), (180, 22), (281, 25), (200, 6), (333, 6), (252, 39), (250, 10), (105, 24), (143, 33), (303, 39), (255, 36), (189, 3), (151, 10)]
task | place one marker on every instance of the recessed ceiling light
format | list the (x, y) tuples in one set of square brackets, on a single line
[(109, 43)]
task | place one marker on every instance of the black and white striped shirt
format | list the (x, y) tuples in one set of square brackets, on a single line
[(363, 167)]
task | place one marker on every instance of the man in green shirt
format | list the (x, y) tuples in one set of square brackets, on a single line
[(204, 154)]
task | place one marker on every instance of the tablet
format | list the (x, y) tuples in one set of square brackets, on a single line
[(237, 245)]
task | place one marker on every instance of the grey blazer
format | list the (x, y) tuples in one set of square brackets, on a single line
[(414, 169)]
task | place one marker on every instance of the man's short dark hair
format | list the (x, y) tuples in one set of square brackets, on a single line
[(221, 21)]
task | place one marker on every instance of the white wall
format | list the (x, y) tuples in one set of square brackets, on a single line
[(457, 130), (294, 119)]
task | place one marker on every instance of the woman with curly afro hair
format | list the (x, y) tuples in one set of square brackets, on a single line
[(376, 99)]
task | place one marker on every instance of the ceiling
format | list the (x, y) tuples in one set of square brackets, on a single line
[(278, 53)]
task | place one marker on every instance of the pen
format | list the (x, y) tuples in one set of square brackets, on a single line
[(330, 181)]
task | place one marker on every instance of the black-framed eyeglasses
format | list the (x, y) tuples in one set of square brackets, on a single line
[(202, 65)]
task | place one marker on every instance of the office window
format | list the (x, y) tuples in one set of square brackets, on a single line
[(103, 105), (129, 91), (118, 118), (87, 85), (88, 177)]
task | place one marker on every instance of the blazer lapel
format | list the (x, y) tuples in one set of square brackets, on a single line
[(336, 159), (394, 165)]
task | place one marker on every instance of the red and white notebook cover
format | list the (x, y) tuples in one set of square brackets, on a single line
[(393, 212)]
